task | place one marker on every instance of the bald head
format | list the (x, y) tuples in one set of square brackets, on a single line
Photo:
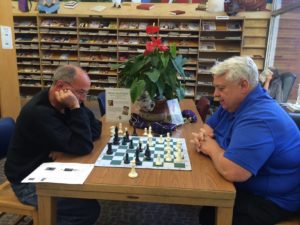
[(69, 73)]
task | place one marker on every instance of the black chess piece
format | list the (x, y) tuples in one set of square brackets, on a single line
[(131, 144), (137, 157), (109, 149), (124, 142), (140, 146), (147, 153), (134, 132), (126, 159), (116, 139), (127, 136)]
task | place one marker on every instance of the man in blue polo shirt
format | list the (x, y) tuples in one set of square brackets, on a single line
[(254, 143)]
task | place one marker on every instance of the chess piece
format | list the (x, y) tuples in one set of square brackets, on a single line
[(160, 139), (112, 131), (145, 131), (133, 173), (168, 137), (150, 132), (150, 141), (178, 158), (137, 157), (116, 139), (147, 153), (168, 156), (124, 142), (131, 144), (134, 132), (109, 148), (120, 129), (158, 161), (126, 159), (127, 135), (140, 146)]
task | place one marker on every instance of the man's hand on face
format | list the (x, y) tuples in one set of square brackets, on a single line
[(67, 98)]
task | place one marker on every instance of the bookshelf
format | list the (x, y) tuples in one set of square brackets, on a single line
[(218, 40), (97, 40)]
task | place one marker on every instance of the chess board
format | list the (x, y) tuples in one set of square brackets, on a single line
[(116, 159)]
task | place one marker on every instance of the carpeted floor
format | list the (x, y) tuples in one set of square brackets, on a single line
[(129, 213)]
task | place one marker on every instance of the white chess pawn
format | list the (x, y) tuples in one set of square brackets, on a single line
[(160, 139), (150, 141), (120, 129), (150, 132), (145, 132), (158, 161), (132, 173), (112, 131), (168, 156), (168, 137), (178, 158)]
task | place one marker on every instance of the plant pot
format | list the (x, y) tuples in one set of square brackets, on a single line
[(160, 112)]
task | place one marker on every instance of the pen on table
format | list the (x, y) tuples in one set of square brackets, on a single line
[(70, 169)]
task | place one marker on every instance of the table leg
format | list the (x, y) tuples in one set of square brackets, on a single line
[(46, 210), (224, 216)]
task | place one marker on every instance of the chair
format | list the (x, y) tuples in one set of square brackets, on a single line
[(7, 126), (202, 106), (288, 80), (101, 101), (9, 203)]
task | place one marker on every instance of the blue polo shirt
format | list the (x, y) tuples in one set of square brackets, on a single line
[(262, 138)]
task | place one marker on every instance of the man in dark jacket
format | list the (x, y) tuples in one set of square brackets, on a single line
[(55, 121)]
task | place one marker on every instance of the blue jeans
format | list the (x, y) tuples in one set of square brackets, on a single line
[(70, 211)]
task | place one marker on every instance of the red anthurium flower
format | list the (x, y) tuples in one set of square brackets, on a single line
[(163, 48), (150, 47), (152, 29)]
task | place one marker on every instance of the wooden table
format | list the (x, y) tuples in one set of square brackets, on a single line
[(201, 186)]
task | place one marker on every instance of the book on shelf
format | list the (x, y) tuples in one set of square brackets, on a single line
[(233, 26), (145, 6), (207, 46), (177, 12), (70, 4), (208, 26)]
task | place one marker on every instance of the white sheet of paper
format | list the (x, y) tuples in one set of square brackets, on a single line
[(118, 104), (175, 112), (64, 173), (6, 37)]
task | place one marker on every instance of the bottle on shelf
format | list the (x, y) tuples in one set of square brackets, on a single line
[(298, 96)]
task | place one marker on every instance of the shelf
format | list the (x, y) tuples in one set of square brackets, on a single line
[(97, 42)]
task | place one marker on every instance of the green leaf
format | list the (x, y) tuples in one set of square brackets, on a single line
[(165, 59), (160, 87), (173, 49), (180, 92), (136, 89), (178, 62), (153, 75)]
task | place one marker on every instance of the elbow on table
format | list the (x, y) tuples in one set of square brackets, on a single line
[(235, 176)]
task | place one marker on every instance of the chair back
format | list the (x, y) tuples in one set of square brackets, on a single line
[(7, 127), (101, 101), (202, 106), (296, 118), (288, 80)]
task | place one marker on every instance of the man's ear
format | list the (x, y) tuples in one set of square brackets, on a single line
[(59, 84), (245, 86)]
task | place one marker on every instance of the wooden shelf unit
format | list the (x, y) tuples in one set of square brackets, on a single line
[(95, 41)]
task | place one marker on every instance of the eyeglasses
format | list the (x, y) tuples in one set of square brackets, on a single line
[(80, 92)]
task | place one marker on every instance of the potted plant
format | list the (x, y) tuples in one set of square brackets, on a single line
[(153, 75)]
